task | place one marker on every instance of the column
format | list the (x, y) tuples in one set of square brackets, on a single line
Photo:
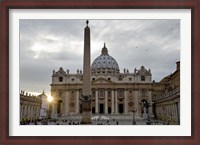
[(125, 101), (28, 112), (170, 112), (77, 102), (67, 103), (175, 113), (112, 100), (54, 110), (172, 107), (157, 111), (61, 108), (179, 112), (21, 111), (31, 112), (106, 102), (136, 103), (38, 112), (116, 103), (96, 102), (35, 112), (150, 99), (173, 110)]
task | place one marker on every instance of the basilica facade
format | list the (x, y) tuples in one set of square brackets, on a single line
[(112, 92)]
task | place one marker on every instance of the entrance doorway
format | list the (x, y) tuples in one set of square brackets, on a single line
[(93, 110), (80, 108), (154, 110), (109, 110), (59, 107), (121, 108), (101, 107)]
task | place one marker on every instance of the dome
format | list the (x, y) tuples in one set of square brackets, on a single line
[(104, 64)]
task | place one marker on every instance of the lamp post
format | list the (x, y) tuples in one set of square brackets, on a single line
[(147, 105), (134, 110)]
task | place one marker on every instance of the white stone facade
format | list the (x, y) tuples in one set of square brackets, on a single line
[(112, 92)]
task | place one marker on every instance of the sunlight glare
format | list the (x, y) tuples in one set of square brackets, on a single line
[(50, 98)]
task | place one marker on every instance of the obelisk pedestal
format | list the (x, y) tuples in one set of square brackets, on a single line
[(86, 98)]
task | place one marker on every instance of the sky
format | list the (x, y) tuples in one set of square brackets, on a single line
[(47, 45)]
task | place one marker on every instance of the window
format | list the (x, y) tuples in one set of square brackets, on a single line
[(101, 93), (72, 79), (93, 94), (60, 79), (130, 79), (120, 93), (60, 94), (109, 79), (93, 79), (142, 78), (120, 79), (72, 94), (143, 91), (109, 93)]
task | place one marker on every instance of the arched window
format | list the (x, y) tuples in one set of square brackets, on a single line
[(142, 78), (120, 92), (101, 92), (93, 93), (109, 93)]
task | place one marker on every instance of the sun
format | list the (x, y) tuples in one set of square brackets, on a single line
[(50, 98)]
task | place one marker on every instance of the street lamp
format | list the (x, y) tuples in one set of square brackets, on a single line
[(147, 105), (134, 110)]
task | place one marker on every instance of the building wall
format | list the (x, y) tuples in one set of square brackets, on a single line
[(166, 97)]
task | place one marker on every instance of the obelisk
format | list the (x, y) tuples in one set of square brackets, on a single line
[(86, 98)]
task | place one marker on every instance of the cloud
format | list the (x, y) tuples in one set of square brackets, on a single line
[(49, 44)]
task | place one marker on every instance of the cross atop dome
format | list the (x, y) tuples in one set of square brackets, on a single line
[(104, 50), (87, 22)]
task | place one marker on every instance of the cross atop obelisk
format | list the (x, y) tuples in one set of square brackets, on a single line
[(86, 102)]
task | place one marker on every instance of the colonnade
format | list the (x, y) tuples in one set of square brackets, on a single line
[(111, 102), (29, 112), (169, 112)]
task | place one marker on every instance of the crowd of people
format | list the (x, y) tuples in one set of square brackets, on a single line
[(94, 122), (68, 122)]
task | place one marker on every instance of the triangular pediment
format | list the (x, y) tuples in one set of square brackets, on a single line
[(101, 80)]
